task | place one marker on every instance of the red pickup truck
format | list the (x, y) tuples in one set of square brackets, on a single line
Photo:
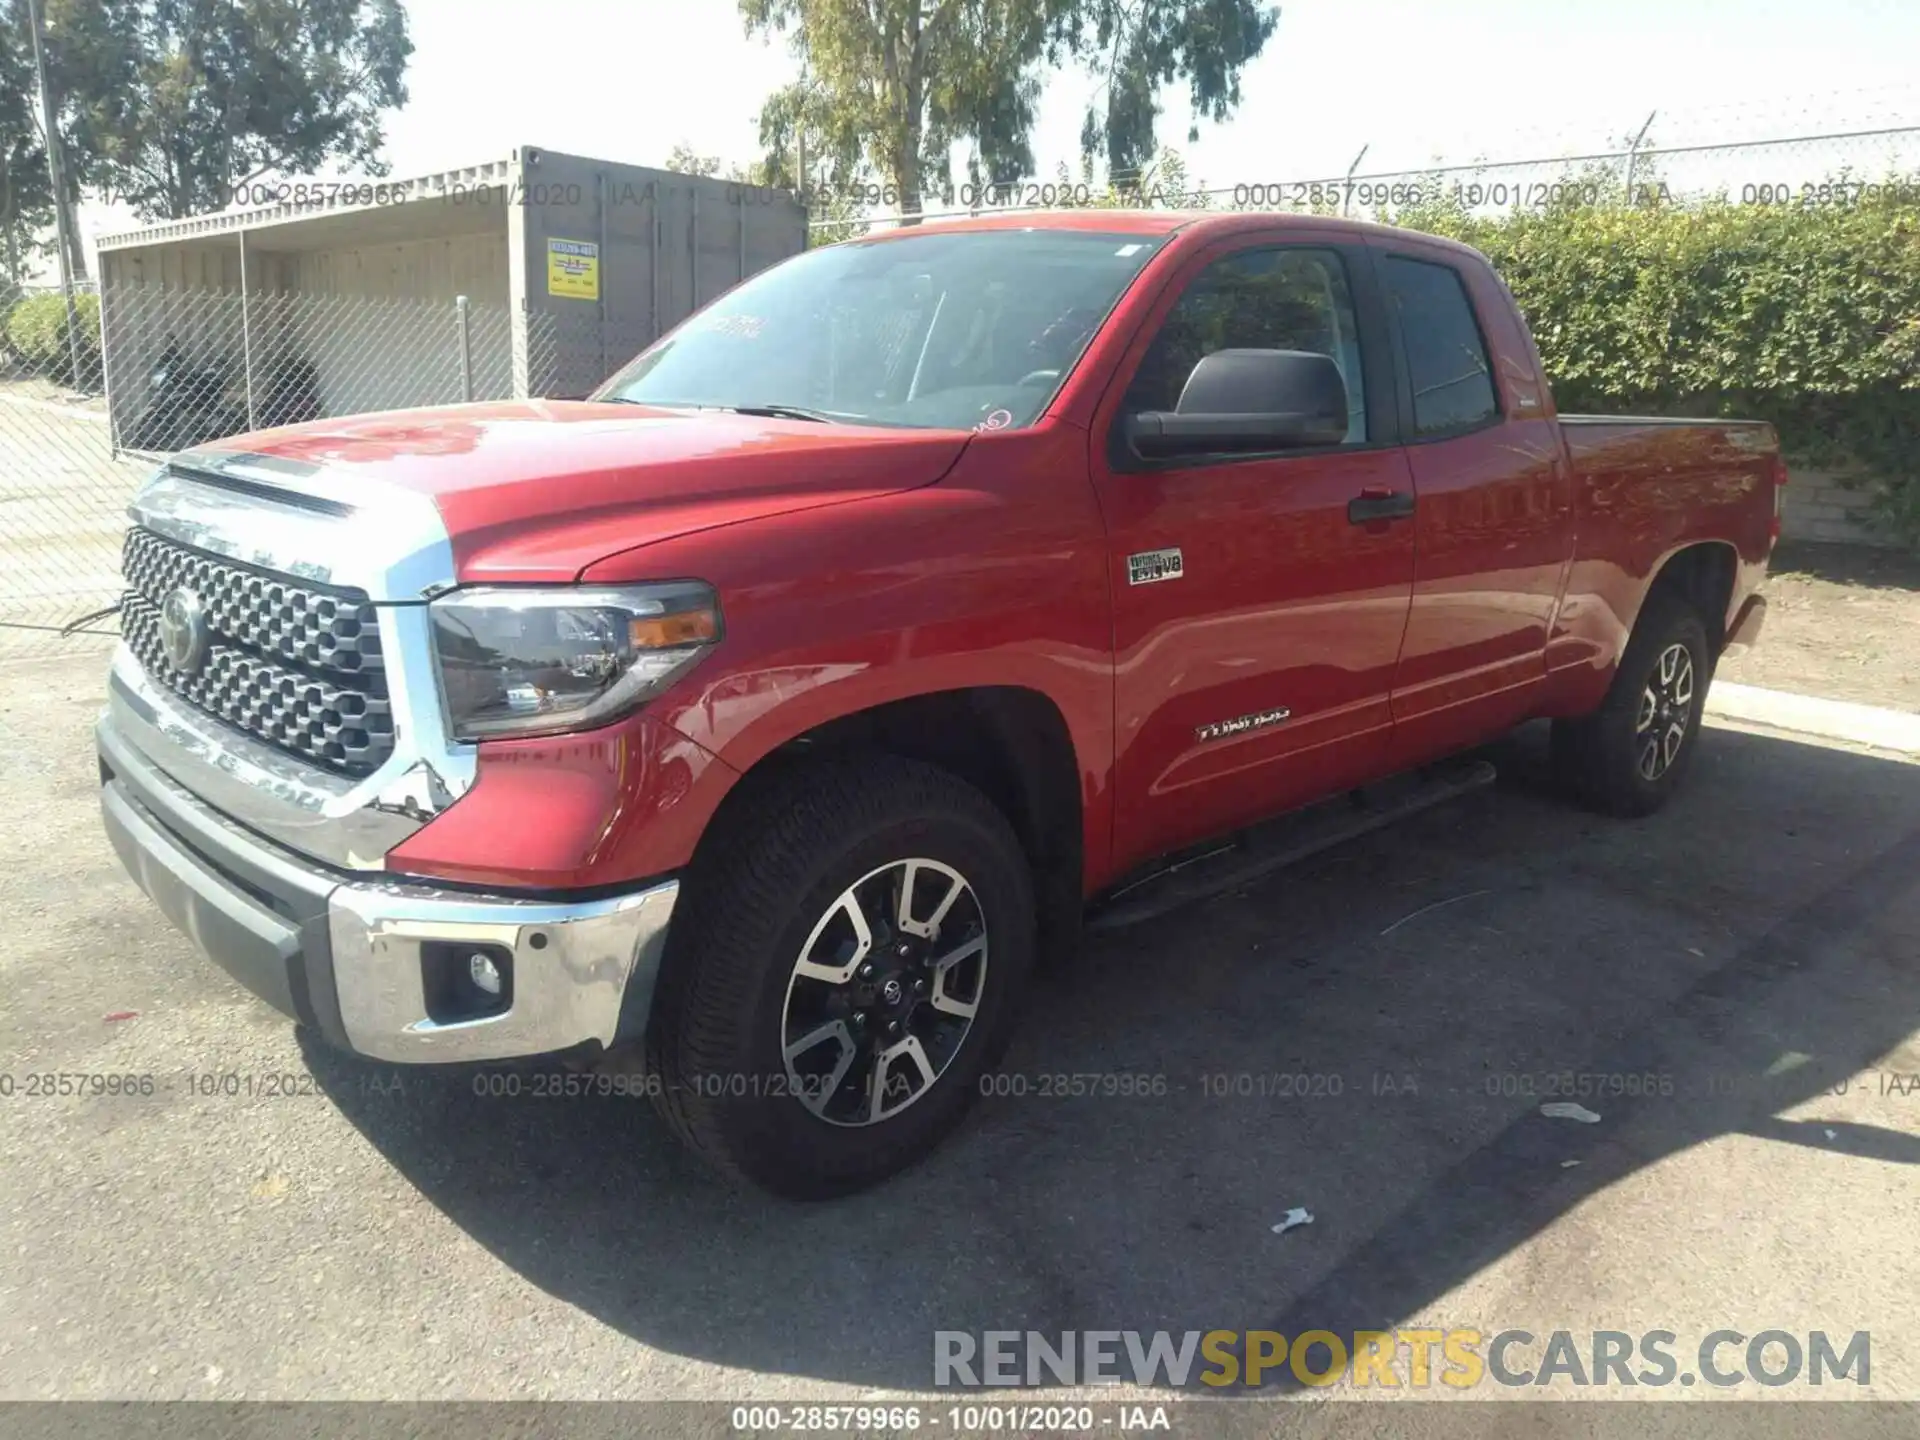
[(768, 715)]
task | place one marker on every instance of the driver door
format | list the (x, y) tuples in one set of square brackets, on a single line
[(1257, 620)]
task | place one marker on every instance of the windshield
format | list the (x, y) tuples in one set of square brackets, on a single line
[(945, 331)]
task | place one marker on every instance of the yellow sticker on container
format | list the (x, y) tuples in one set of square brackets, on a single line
[(573, 269)]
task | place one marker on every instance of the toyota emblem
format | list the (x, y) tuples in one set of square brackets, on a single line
[(891, 992), (183, 631)]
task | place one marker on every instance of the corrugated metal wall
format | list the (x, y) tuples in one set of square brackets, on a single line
[(378, 321), (366, 296), (185, 294), (437, 269), (668, 243)]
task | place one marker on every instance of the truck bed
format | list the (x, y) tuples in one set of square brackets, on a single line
[(1646, 487)]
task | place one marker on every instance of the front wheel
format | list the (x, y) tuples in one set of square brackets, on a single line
[(1630, 756), (842, 975)]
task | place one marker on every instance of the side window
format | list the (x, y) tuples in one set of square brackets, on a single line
[(1446, 360), (1291, 299)]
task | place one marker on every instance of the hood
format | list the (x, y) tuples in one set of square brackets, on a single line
[(539, 490)]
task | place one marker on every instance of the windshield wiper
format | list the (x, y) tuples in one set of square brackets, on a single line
[(766, 412), (781, 412)]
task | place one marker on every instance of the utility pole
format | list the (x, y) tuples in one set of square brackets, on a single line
[(800, 138), (1346, 193), (1633, 154), (11, 221), (62, 238)]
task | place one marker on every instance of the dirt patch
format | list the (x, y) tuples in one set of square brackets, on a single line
[(1843, 623), (15, 385)]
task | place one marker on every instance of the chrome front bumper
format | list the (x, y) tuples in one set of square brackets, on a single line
[(359, 959)]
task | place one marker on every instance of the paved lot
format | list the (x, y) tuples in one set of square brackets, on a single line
[(420, 1241)]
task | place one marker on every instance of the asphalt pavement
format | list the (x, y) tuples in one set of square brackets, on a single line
[(1369, 1037)]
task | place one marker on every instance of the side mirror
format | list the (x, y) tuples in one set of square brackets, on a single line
[(1239, 402)]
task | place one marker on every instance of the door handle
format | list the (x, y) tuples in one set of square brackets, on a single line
[(1379, 503)]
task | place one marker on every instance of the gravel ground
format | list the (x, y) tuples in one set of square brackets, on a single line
[(63, 512), (392, 1234), (1843, 623)]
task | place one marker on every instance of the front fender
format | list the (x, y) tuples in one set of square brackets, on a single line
[(995, 577)]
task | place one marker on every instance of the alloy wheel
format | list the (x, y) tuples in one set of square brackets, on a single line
[(884, 992), (1666, 711)]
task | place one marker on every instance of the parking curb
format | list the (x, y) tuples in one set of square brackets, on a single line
[(1809, 715)]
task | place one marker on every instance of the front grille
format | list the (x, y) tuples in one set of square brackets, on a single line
[(290, 662)]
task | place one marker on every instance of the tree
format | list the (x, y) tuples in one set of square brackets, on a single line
[(26, 191), (1162, 185), (683, 160), (831, 214), (805, 153), (895, 84), (1142, 46), (169, 105)]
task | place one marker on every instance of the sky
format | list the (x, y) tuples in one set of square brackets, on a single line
[(626, 79), (1411, 80)]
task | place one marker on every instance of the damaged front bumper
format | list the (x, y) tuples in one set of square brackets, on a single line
[(383, 967)]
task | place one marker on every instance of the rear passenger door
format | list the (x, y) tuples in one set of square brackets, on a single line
[(1257, 610), (1493, 522)]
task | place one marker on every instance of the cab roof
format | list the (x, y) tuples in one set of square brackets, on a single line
[(1123, 221)]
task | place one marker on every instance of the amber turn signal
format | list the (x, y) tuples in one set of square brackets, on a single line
[(664, 632)]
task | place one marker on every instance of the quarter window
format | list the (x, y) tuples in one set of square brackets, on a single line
[(1446, 359), (1291, 299)]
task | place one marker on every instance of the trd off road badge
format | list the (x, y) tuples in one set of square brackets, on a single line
[(1220, 729), (1150, 566)]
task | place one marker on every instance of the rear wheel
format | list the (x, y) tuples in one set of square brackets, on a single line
[(842, 975), (1628, 757)]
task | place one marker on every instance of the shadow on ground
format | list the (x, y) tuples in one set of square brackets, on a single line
[(1394, 1050), (1871, 566)]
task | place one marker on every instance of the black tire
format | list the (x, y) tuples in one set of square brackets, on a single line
[(715, 1038), (1603, 757)]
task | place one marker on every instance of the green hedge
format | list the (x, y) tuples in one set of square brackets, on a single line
[(37, 336), (1805, 316)]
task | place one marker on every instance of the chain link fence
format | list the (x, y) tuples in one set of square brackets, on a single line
[(569, 353), (1840, 166), (88, 409), (63, 487), (185, 367)]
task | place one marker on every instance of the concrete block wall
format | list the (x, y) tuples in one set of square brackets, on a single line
[(1821, 506)]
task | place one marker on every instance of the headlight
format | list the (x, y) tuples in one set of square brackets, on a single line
[(539, 661)]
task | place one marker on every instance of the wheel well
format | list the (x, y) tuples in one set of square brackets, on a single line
[(1702, 575), (1008, 742)]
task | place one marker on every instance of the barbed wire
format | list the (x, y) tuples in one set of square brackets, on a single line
[(1751, 170)]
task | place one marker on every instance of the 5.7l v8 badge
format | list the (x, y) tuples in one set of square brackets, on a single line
[(1153, 565)]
